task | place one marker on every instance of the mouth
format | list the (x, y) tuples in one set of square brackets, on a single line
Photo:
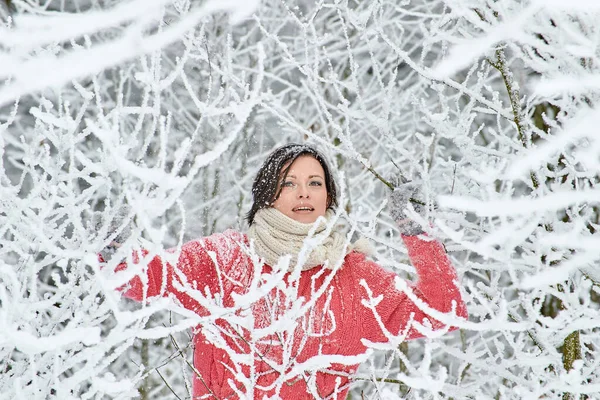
[(303, 209)]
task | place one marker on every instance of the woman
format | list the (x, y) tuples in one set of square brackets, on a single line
[(316, 302)]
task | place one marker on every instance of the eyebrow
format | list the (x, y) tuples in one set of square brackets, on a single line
[(311, 176)]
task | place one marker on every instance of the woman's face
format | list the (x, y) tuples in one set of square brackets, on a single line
[(303, 194)]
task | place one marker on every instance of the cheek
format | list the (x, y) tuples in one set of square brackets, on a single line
[(325, 199), (282, 200)]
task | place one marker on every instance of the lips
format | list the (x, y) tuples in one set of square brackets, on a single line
[(303, 208)]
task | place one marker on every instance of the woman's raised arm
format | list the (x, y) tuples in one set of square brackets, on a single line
[(435, 291), (199, 268)]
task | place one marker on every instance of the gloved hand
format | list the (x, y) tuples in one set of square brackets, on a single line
[(406, 192), (116, 230)]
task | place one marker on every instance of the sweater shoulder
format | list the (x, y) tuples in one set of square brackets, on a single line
[(224, 246), (362, 266), (221, 241)]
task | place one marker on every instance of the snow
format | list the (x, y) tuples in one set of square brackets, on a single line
[(582, 125), (34, 30), (574, 5), (149, 175), (560, 274), (465, 51), (53, 70), (111, 386), (30, 344), (522, 206), (238, 10)]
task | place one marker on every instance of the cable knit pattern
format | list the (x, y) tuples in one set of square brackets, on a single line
[(275, 235), (336, 325)]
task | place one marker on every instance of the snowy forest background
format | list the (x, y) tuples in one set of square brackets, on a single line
[(171, 106)]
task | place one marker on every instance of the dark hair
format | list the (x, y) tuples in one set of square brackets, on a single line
[(264, 188)]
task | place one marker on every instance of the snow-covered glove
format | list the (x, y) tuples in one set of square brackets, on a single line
[(116, 227), (406, 192)]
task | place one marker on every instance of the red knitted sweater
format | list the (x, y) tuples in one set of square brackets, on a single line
[(313, 353)]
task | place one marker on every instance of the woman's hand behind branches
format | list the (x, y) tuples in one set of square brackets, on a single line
[(406, 195), (119, 229)]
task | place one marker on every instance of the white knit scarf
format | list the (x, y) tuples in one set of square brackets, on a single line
[(275, 234)]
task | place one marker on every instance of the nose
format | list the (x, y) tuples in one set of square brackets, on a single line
[(302, 192)]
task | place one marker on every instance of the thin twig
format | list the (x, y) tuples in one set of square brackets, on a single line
[(388, 184), (453, 180), (198, 374), (167, 383), (208, 58), (385, 380)]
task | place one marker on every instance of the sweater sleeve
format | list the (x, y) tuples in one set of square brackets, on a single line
[(436, 288), (199, 271)]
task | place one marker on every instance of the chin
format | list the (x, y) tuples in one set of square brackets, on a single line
[(301, 219), (305, 219)]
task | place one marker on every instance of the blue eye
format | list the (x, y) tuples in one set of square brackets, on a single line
[(287, 184), (316, 183)]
